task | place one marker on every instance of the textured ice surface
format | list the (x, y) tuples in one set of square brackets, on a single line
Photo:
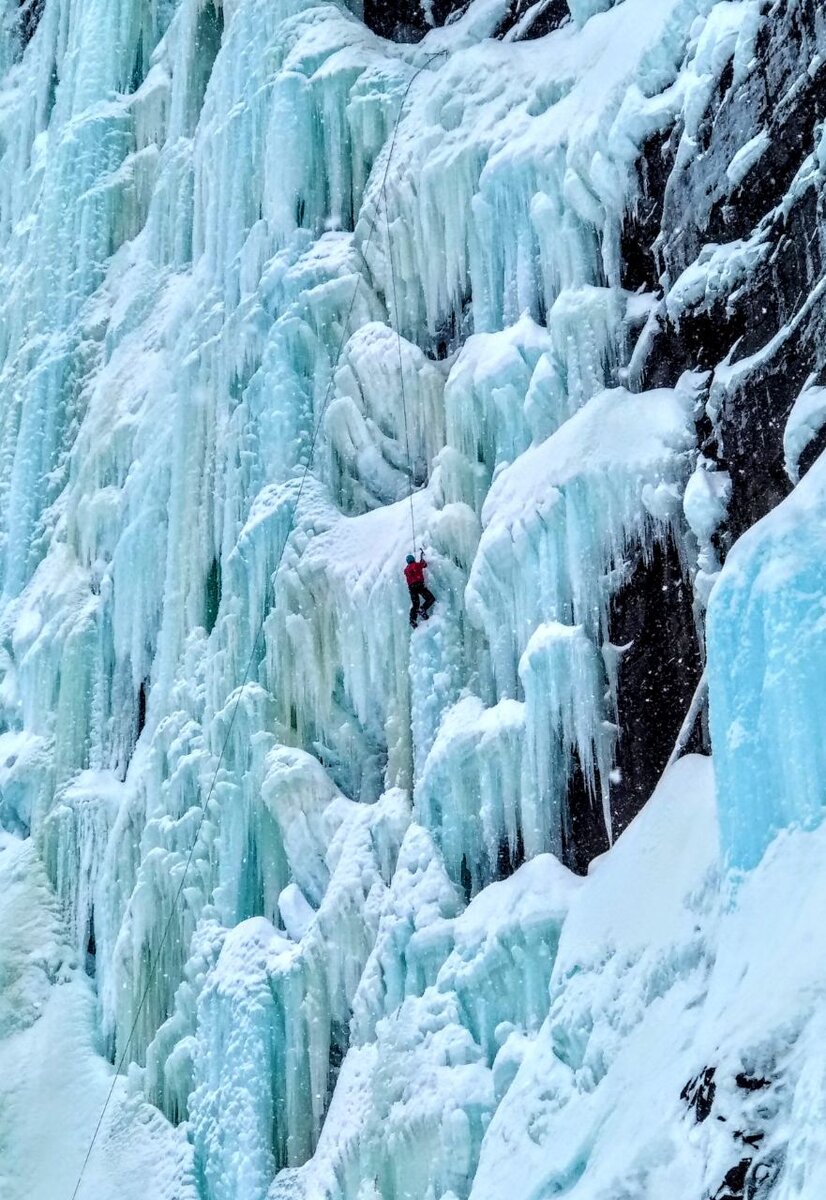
[(578, 498), (766, 653), (417, 1092), (631, 967), (665, 1063), (310, 858)]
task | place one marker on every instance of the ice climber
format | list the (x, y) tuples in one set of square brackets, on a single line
[(420, 594)]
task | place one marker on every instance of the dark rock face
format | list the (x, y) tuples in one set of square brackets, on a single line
[(653, 617), (400, 22), (782, 96), (734, 1184), (644, 222), (699, 1094), (769, 327), (530, 19), (29, 18), (584, 836), (743, 1125), (750, 1178), (761, 341), (654, 637), (407, 20)]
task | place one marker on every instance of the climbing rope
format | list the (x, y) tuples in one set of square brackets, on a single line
[(121, 1061), (401, 377), (391, 264)]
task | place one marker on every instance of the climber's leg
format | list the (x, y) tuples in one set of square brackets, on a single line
[(429, 601), (415, 598)]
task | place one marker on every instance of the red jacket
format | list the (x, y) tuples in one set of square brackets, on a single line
[(414, 572)]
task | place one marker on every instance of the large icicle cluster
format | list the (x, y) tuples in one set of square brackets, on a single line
[(281, 300)]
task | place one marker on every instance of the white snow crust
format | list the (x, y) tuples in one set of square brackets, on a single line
[(53, 1081)]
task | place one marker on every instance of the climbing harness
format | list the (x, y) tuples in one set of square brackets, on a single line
[(121, 1061)]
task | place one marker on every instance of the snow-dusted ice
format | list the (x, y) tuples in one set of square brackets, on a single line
[(368, 913), (53, 1081)]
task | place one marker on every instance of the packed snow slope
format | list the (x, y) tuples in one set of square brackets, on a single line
[(53, 1082), (526, 902)]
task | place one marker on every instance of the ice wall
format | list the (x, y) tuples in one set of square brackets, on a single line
[(281, 301), (765, 647)]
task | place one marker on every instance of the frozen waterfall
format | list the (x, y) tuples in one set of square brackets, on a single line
[(288, 290)]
